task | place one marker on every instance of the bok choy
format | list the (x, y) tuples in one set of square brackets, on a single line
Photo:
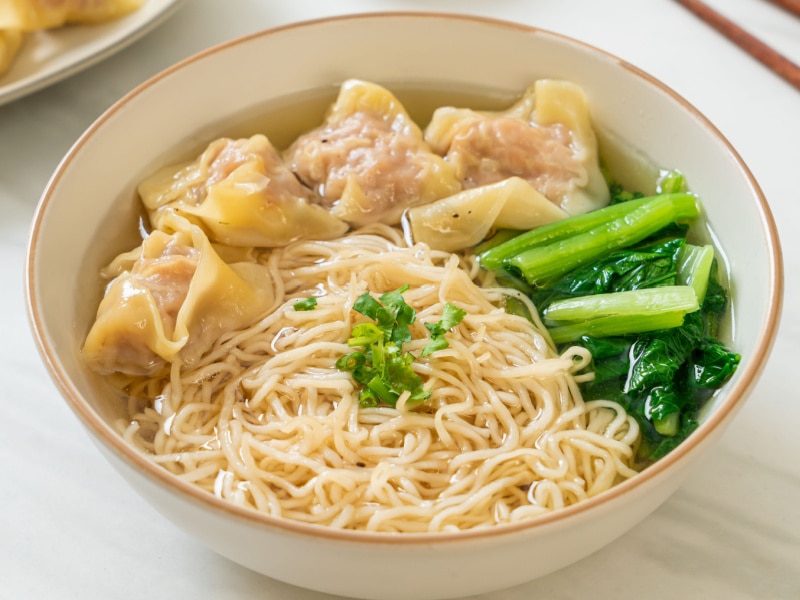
[(624, 282)]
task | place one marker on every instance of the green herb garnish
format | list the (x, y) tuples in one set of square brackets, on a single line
[(382, 367), (451, 316), (306, 304)]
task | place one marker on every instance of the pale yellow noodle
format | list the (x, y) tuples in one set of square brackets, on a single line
[(265, 419)]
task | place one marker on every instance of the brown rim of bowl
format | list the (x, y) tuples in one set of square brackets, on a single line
[(139, 462)]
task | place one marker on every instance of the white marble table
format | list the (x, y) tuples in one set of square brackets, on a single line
[(71, 528)]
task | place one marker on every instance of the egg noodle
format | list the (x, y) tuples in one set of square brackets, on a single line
[(265, 419)]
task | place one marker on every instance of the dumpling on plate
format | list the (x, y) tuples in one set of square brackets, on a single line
[(546, 138), (170, 299), (368, 160), (30, 15), (10, 43), (242, 194), (466, 218)]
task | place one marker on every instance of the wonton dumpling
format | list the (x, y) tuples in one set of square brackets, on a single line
[(368, 160), (170, 299), (465, 219), (546, 138), (10, 42), (30, 15), (242, 194)]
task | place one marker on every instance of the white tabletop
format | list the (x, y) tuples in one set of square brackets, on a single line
[(71, 528)]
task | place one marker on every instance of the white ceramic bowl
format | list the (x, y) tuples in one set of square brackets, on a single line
[(90, 204)]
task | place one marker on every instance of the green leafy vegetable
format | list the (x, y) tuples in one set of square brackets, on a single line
[(652, 263), (498, 237), (496, 255), (662, 378), (306, 303), (546, 263), (599, 221), (619, 313), (383, 368), (515, 306), (671, 182), (620, 194), (694, 267), (624, 282)]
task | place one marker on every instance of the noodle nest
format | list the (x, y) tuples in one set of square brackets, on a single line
[(265, 419)]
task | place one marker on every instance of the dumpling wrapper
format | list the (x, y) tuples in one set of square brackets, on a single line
[(10, 43), (171, 299), (242, 194), (31, 15), (465, 219), (368, 160), (546, 138)]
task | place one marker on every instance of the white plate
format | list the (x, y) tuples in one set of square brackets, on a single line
[(50, 56)]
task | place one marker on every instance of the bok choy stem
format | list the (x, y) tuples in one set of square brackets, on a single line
[(544, 263), (619, 313), (694, 268), (494, 257)]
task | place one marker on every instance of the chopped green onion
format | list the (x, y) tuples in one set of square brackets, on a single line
[(305, 304), (383, 368)]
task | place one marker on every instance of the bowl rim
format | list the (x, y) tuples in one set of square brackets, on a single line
[(138, 461)]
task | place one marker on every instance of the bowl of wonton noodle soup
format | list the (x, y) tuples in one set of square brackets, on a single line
[(197, 334)]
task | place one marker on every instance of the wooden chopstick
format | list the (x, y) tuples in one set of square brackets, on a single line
[(792, 6), (748, 42)]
